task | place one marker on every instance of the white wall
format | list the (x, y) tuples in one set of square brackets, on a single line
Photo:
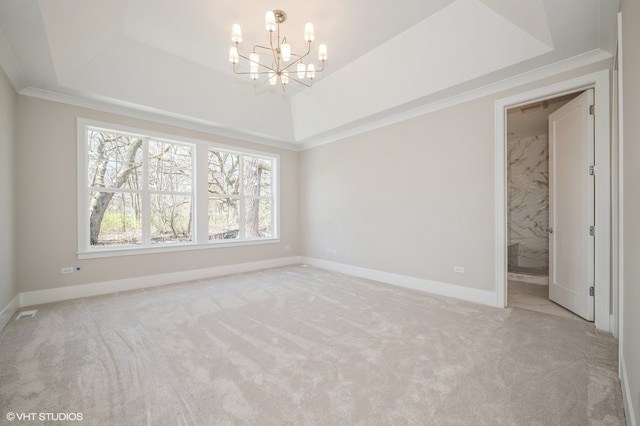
[(46, 203), (630, 338), (8, 282)]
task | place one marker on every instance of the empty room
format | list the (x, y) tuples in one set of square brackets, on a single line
[(370, 213)]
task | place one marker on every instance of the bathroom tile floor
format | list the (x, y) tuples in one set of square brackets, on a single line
[(535, 297)]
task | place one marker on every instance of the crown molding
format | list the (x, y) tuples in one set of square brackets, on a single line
[(157, 116), (576, 62), (216, 129)]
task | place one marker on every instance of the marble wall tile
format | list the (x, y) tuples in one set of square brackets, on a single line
[(528, 186)]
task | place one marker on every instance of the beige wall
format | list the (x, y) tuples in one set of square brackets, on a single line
[(8, 282), (398, 199), (46, 203), (415, 198), (631, 199)]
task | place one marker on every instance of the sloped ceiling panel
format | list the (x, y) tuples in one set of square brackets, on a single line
[(461, 42), (527, 14), (189, 33), (111, 66), (75, 42), (135, 73), (21, 26)]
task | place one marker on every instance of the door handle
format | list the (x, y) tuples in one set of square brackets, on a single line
[(550, 230)]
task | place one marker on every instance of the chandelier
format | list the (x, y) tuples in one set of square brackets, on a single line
[(277, 62)]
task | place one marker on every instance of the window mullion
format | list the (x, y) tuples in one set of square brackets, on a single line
[(241, 199), (82, 188), (145, 195), (273, 199), (201, 194)]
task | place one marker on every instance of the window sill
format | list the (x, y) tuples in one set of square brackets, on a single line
[(132, 251)]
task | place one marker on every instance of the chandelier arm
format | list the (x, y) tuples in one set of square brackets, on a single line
[(278, 39), (259, 64), (299, 81), (292, 63), (251, 73), (257, 46), (300, 58), (274, 51)]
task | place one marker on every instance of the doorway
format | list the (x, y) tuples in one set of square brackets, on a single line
[(528, 205), (599, 81)]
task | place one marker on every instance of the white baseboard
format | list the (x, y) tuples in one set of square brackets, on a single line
[(9, 311), (38, 297), (443, 289), (530, 279), (626, 394)]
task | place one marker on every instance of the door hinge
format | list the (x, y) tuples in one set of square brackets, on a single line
[(592, 230), (592, 170), (592, 291), (592, 110)]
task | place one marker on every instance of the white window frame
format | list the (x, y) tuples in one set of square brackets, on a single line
[(200, 201), (242, 196)]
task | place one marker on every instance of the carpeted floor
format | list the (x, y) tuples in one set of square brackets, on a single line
[(300, 345)]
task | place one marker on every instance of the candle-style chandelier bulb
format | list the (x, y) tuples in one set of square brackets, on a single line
[(322, 52), (270, 21), (233, 55), (302, 70), (236, 33), (308, 32)]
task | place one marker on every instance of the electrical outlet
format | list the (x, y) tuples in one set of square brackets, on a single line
[(458, 269), (66, 271)]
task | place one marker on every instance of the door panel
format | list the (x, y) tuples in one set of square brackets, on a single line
[(571, 206)]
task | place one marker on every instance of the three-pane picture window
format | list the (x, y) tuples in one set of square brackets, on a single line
[(144, 192)]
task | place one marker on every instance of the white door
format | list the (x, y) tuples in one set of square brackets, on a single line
[(571, 206)]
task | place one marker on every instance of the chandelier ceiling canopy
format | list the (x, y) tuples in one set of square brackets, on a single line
[(276, 63)]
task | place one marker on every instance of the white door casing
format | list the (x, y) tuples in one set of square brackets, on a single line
[(571, 206), (600, 82)]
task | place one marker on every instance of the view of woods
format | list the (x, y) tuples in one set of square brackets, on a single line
[(136, 184), (239, 182)]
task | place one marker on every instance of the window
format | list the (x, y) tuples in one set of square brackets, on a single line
[(240, 200), (148, 192)]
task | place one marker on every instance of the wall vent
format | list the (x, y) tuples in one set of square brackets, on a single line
[(26, 314)]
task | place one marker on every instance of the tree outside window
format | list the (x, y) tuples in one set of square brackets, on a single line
[(240, 196), (142, 191)]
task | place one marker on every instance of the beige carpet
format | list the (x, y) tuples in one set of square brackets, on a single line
[(300, 345)]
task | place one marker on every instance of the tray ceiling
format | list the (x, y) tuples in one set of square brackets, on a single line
[(171, 58)]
